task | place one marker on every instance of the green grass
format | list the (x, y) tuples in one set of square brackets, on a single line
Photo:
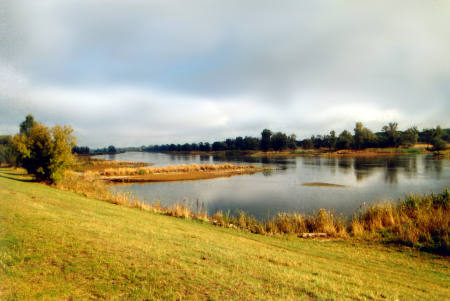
[(59, 245)]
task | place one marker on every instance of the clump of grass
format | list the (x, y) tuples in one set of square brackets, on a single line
[(421, 221)]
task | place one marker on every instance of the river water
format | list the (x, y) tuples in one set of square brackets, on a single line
[(366, 181)]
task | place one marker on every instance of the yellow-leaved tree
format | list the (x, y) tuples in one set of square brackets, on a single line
[(45, 152)]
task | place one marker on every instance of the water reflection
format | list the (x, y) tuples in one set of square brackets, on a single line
[(367, 180)]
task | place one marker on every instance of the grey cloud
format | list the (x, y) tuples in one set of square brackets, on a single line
[(116, 67)]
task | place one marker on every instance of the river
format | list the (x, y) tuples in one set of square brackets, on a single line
[(365, 180)]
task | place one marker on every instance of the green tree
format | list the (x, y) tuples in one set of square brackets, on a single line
[(45, 152), (331, 140), (265, 139), (391, 134), (358, 138), (292, 141), (437, 142), (27, 125), (345, 140), (279, 141), (409, 137)]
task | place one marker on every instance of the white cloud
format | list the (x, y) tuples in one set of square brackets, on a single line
[(141, 72)]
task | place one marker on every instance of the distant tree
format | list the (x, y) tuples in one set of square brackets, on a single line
[(81, 150), (5, 139), (437, 142), (230, 144), (112, 149), (279, 141), (330, 140), (7, 153), (345, 140), (363, 137), (265, 139), (409, 137), (292, 141), (307, 144), (27, 125), (219, 146), (318, 141), (358, 140), (186, 147), (392, 135), (239, 143), (45, 152), (251, 143)]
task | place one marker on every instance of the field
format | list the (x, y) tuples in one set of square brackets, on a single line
[(60, 245)]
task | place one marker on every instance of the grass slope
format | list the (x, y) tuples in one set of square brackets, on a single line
[(59, 245)]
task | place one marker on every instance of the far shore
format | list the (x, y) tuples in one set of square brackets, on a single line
[(322, 152)]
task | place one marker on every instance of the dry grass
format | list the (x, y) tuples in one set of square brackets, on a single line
[(421, 221), (90, 185), (184, 168), (176, 173), (417, 220), (86, 163)]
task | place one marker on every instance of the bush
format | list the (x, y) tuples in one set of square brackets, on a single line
[(44, 152)]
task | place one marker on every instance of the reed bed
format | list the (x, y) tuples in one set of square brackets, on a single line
[(421, 221), (184, 168), (86, 163)]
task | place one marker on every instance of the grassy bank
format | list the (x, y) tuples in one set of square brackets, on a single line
[(418, 221), (60, 245)]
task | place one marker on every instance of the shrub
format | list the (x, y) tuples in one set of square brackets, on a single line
[(44, 152)]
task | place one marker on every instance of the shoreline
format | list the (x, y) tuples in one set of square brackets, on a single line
[(369, 152)]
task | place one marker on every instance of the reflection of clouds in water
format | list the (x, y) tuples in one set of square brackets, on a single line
[(369, 179)]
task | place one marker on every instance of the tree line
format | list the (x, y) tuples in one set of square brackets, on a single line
[(361, 138)]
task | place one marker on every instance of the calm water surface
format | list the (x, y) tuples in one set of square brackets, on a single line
[(367, 180)]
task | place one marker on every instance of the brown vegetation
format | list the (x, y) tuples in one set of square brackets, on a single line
[(176, 172), (421, 221), (86, 163)]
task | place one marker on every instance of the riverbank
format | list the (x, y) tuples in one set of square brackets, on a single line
[(61, 245), (324, 152)]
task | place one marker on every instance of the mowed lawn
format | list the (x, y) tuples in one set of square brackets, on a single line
[(60, 245)]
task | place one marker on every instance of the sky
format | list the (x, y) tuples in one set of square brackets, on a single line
[(141, 72)]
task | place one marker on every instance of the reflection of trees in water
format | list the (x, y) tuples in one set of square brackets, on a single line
[(345, 165), (366, 167), (405, 165), (204, 158), (331, 164), (312, 161), (433, 165)]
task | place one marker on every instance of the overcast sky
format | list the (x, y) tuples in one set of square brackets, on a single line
[(142, 72)]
